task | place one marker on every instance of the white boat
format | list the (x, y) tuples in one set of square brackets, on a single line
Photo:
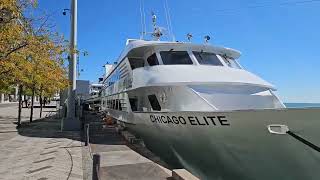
[(196, 103)]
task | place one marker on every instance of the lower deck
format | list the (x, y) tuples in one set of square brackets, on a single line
[(206, 98), (252, 139)]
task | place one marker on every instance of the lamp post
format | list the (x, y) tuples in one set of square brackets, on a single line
[(71, 122)]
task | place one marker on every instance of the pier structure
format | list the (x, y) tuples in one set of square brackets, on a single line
[(41, 150)]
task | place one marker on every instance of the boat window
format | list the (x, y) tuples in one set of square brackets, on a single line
[(108, 104), (231, 63), (115, 76), (136, 63), (207, 58), (120, 105), (175, 57), (117, 104), (154, 102), (133, 104), (113, 104), (153, 60)]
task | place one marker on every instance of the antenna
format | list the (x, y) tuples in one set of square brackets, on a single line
[(154, 20), (189, 36), (143, 20), (168, 18), (157, 32)]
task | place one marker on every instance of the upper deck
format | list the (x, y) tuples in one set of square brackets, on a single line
[(141, 46), (138, 49), (153, 63)]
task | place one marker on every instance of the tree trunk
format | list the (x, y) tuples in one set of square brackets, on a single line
[(41, 101), (20, 106), (25, 100), (32, 101)]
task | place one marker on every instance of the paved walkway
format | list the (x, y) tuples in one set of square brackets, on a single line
[(38, 150), (118, 158), (9, 114)]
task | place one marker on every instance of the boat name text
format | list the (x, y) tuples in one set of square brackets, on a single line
[(192, 120)]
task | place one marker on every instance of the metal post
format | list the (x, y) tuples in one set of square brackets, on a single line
[(87, 128), (71, 123), (2, 98), (16, 90), (20, 106), (96, 167)]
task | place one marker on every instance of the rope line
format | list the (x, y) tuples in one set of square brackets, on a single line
[(304, 141)]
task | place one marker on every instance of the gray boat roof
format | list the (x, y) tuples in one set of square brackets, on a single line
[(137, 43), (133, 44)]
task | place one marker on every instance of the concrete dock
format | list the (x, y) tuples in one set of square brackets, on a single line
[(41, 151), (37, 150), (118, 159)]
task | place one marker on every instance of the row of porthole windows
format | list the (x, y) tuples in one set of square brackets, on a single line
[(183, 58), (113, 78), (155, 105), (114, 104)]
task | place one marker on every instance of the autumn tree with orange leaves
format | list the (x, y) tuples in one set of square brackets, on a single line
[(31, 53)]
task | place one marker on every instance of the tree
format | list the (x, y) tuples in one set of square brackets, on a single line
[(31, 53), (11, 36), (47, 75)]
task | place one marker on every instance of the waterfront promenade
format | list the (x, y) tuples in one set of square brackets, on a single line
[(41, 151), (37, 150)]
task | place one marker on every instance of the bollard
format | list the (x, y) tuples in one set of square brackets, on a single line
[(87, 134), (96, 167)]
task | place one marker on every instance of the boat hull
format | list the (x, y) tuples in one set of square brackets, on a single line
[(234, 144)]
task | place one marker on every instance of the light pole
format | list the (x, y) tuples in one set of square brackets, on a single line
[(71, 122)]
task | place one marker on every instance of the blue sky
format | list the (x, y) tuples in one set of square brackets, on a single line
[(279, 40)]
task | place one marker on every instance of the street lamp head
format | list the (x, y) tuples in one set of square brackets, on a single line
[(85, 53), (207, 38), (65, 11)]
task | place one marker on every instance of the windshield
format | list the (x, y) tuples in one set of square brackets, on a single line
[(153, 60), (231, 63), (175, 57), (207, 58)]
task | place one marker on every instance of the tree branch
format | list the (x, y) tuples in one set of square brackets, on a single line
[(13, 50)]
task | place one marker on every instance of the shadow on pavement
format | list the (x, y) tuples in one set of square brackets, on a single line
[(7, 118), (100, 133), (47, 127), (38, 106), (113, 148)]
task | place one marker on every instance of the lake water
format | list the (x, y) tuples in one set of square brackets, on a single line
[(301, 105)]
